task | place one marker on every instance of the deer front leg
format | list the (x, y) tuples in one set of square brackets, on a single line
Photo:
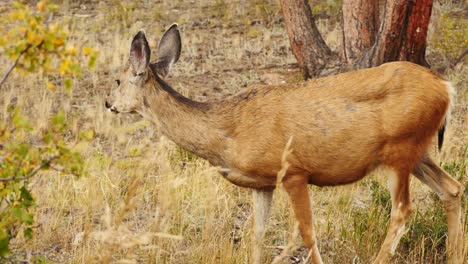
[(261, 205), (296, 187)]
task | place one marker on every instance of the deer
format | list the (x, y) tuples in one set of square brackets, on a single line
[(340, 129)]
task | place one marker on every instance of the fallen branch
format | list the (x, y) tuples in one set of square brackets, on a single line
[(266, 67)]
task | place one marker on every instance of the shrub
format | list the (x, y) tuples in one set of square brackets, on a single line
[(36, 45)]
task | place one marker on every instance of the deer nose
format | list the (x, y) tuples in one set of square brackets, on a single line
[(107, 104)]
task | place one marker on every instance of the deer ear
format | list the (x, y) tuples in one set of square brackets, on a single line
[(168, 50), (139, 53)]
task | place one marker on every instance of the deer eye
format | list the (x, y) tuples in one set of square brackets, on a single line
[(118, 82)]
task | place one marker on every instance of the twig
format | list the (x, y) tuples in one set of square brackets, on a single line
[(266, 67), (14, 65), (33, 172), (462, 56)]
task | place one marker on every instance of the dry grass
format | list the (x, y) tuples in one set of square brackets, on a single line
[(146, 200)]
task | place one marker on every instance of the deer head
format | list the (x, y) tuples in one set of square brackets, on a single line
[(128, 94)]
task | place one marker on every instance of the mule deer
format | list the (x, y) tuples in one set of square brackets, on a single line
[(342, 127)]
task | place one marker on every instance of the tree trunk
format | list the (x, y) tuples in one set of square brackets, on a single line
[(307, 44), (392, 30), (402, 34), (414, 45), (360, 27)]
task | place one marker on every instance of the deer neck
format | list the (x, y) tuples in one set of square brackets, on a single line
[(189, 124)]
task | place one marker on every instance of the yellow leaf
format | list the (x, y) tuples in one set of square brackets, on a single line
[(5, 135), (17, 15), (32, 23), (64, 66), (11, 34), (58, 41), (51, 86), (34, 38), (63, 69), (71, 50), (88, 50), (3, 41), (41, 6), (53, 27)]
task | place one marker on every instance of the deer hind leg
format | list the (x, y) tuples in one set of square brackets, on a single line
[(262, 204), (296, 187), (449, 191), (398, 184)]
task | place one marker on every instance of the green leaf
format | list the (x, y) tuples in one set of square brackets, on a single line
[(4, 240), (21, 121), (18, 5), (59, 119), (47, 138), (17, 213), (87, 135), (22, 150), (92, 62), (75, 68), (68, 84), (26, 196), (28, 233), (53, 8), (22, 215)]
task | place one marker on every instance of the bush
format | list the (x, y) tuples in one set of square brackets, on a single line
[(36, 45)]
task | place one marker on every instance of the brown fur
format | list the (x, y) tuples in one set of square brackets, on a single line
[(342, 127), (356, 120)]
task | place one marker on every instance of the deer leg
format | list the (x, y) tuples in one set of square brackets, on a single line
[(262, 204), (398, 184), (296, 187), (449, 191)]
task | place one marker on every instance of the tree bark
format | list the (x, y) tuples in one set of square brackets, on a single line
[(402, 34), (392, 30), (414, 45), (360, 27), (307, 44)]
